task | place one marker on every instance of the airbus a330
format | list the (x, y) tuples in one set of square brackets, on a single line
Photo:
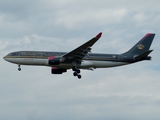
[(82, 58)]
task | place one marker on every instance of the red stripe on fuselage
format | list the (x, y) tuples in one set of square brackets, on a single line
[(51, 57)]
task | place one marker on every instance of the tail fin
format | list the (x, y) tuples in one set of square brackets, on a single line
[(142, 46)]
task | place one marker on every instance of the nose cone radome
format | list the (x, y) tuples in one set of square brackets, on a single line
[(4, 57)]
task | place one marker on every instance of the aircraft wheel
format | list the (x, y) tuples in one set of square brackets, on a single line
[(19, 69), (79, 76), (75, 74), (78, 71), (73, 69)]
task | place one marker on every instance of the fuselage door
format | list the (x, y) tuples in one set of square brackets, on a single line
[(120, 57)]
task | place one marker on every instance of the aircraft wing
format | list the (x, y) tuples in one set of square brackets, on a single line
[(79, 53)]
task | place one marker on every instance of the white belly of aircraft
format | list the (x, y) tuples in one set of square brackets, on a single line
[(85, 63), (27, 61), (106, 64)]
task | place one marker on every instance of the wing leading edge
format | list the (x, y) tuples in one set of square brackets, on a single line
[(79, 53)]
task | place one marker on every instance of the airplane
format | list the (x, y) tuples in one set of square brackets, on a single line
[(82, 58)]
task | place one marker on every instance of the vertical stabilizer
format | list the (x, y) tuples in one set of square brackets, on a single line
[(143, 45)]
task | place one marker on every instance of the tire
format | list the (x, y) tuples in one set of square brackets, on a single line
[(79, 76), (75, 74)]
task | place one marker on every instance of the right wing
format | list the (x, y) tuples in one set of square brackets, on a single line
[(79, 53)]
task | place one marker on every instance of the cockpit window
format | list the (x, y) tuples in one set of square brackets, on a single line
[(13, 54)]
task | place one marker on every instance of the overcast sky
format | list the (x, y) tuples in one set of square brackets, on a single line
[(124, 93)]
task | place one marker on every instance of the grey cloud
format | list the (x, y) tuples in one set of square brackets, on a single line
[(129, 92)]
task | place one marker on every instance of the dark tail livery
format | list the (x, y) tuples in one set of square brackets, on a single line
[(140, 51)]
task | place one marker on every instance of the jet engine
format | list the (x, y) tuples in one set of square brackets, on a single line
[(58, 70), (54, 60)]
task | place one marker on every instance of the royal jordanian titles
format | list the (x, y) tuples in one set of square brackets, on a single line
[(82, 58)]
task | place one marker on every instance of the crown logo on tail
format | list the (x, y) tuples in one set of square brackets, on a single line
[(140, 47)]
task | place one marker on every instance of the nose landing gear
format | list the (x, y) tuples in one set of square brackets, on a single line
[(19, 67)]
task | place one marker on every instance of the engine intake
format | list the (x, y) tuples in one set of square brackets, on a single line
[(58, 70)]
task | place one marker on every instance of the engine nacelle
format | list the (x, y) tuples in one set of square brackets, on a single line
[(53, 60), (58, 70)]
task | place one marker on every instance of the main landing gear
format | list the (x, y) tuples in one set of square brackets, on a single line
[(19, 67), (76, 72)]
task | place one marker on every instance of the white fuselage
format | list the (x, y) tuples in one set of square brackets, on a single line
[(84, 64)]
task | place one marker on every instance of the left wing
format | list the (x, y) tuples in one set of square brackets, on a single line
[(79, 53)]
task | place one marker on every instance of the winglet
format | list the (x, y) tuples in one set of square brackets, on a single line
[(99, 35)]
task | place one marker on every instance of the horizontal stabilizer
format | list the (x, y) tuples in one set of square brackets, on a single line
[(143, 55)]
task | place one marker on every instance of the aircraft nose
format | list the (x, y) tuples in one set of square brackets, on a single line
[(5, 57)]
